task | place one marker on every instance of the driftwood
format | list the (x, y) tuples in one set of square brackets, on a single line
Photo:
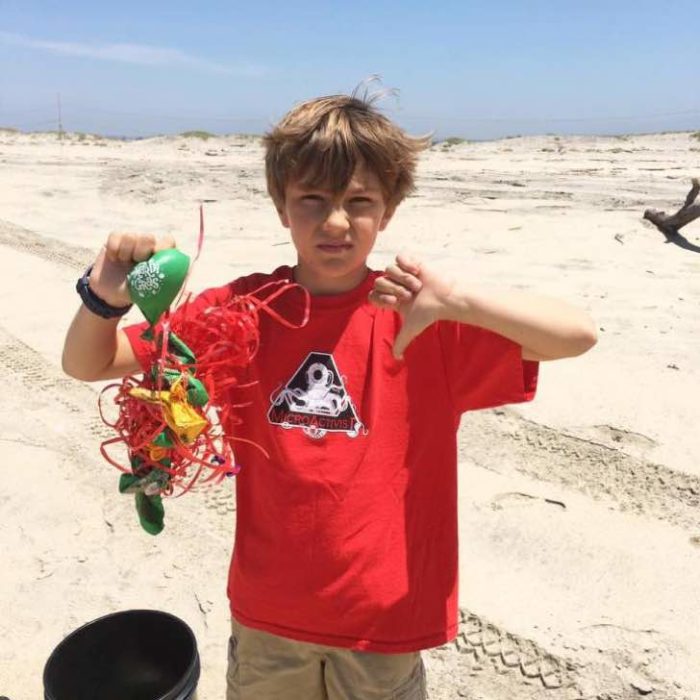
[(669, 224)]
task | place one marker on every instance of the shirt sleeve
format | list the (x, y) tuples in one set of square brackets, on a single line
[(485, 369)]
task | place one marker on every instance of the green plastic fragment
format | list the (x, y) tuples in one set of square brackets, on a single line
[(133, 483), (163, 439), (151, 512), (196, 393), (180, 350), (127, 483), (170, 375)]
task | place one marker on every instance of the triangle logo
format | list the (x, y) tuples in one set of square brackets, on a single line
[(315, 400)]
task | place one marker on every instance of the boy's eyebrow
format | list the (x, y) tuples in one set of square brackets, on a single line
[(353, 189)]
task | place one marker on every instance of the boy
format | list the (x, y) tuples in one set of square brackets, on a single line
[(345, 558)]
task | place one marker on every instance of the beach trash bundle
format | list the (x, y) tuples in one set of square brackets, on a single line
[(174, 418), (128, 655)]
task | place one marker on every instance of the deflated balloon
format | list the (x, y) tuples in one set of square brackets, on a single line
[(154, 283)]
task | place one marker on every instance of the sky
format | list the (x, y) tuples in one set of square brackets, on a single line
[(475, 70)]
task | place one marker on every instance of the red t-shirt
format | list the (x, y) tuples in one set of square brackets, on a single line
[(347, 534)]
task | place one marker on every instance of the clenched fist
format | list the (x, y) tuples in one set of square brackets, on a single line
[(415, 292), (119, 254)]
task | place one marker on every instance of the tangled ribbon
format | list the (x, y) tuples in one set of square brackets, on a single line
[(177, 421)]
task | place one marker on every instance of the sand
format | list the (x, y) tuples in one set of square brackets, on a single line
[(579, 519)]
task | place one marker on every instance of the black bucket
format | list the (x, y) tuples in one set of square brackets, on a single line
[(130, 655)]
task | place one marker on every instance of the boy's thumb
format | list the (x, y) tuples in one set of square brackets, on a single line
[(412, 326), (403, 339), (399, 347)]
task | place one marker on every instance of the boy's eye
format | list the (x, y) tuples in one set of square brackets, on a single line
[(361, 200)]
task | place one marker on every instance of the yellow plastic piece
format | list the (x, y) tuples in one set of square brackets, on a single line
[(179, 415), (156, 453)]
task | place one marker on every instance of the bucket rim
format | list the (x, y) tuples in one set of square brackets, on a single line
[(193, 668)]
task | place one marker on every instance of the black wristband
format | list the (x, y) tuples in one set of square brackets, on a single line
[(94, 303)]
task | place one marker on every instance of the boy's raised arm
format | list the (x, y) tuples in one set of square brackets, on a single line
[(94, 348), (545, 328)]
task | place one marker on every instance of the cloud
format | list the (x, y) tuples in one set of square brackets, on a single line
[(135, 54)]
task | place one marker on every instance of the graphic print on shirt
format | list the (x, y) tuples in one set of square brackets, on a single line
[(315, 400)]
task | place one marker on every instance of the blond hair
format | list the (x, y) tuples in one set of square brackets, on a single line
[(322, 141)]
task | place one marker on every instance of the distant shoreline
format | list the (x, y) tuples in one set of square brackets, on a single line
[(202, 135), (207, 135)]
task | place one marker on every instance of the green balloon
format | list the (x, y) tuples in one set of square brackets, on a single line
[(154, 283), (151, 512)]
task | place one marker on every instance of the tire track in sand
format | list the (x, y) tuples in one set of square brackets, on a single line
[(52, 387), (501, 440), (49, 249)]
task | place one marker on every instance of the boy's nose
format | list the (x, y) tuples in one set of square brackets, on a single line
[(336, 221)]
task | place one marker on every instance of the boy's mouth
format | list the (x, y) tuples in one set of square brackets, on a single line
[(334, 247)]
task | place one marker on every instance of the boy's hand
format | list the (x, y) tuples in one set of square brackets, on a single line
[(119, 254), (419, 295)]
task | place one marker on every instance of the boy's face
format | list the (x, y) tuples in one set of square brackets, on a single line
[(334, 234)]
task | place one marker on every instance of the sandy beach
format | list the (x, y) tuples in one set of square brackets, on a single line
[(579, 513)]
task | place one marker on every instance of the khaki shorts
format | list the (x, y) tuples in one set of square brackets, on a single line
[(263, 666)]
